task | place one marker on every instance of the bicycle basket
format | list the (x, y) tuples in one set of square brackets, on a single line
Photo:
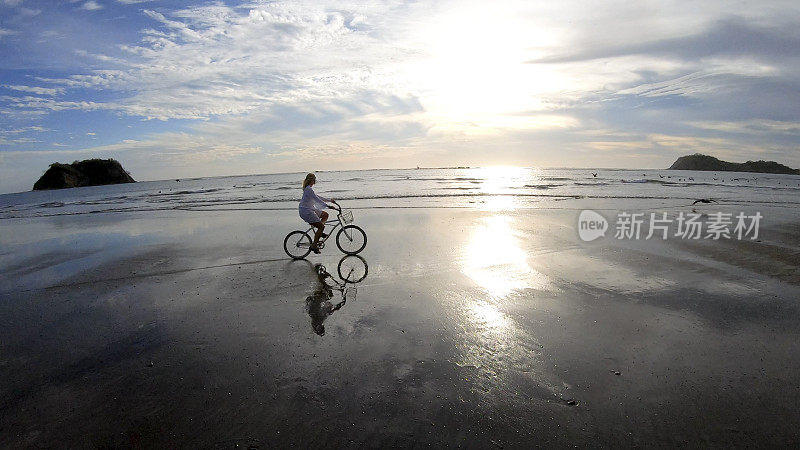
[(347, 216)]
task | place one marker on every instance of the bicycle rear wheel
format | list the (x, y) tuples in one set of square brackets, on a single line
[(351, 239), (297, 244)]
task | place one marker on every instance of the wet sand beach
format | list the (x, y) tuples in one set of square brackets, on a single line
[(479, 328)]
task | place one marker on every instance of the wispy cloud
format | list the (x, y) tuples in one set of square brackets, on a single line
[(24, 130), (34, 89), (39, 104), (91, 5), (17, 140), (28, 12), (17, 136), (732, 36), (218, 60), (167, 147), (762, 127)]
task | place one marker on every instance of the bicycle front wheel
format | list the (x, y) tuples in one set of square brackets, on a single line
[(297, 244), (351, 239), (352, 269)]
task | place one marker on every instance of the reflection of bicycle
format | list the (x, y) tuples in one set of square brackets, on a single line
[(352, 269), (350, 239)]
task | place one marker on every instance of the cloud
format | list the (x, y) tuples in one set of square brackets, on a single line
[(34, 89), (36, 105), (20, 136), (335, 150), (684, 85), (5, 32), (170, 147), (24, 130), (219, 152), (718, 68), (18, 140), (732, 36), (28, 12), (174, 147), (99, 79), (91, 5), (211, 61), (750, 126)]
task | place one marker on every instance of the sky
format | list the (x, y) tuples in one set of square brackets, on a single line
[(176, 89)]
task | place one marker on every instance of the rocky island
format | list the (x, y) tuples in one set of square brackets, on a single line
[(89, 172), (709, 163)]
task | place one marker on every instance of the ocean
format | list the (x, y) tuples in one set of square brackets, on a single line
[(495, 187)]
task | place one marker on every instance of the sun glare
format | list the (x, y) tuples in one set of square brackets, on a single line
[(494, 259), (499, 183), (476, 78), (487, 315), (499, 179)]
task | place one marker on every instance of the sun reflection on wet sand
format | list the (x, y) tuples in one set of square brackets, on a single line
[(487, 315), (499, 203), (501, 352), (494, 259)]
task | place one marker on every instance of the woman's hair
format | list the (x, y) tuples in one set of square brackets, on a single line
[(310, 178)]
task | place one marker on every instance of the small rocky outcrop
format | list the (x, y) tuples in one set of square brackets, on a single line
[(89, 172), (709, 163)]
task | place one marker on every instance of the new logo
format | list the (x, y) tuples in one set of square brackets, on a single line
[(591, 225)]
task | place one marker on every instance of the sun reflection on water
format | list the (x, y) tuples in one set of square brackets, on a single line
[(502, 179), (499, 183)]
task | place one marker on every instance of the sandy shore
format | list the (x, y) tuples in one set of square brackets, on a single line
[(472, 328)]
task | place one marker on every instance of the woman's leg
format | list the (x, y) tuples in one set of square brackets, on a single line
[(323, 216), (319, 226)]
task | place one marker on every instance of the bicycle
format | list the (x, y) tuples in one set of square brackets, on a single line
[(350, 239)]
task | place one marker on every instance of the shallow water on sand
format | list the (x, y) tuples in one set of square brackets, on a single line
[(482, 327)]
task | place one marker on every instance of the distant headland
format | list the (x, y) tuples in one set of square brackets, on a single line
[(89, 172), (709, 163)]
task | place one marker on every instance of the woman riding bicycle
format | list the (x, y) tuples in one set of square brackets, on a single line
[(311, 209)]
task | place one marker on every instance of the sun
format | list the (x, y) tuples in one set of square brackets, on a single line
[(476, 76)]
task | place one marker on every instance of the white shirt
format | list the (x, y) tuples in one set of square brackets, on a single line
[(311, 200)]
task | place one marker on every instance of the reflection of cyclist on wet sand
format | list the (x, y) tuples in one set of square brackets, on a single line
[(320, 307), (352, 269), (319, 304)]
